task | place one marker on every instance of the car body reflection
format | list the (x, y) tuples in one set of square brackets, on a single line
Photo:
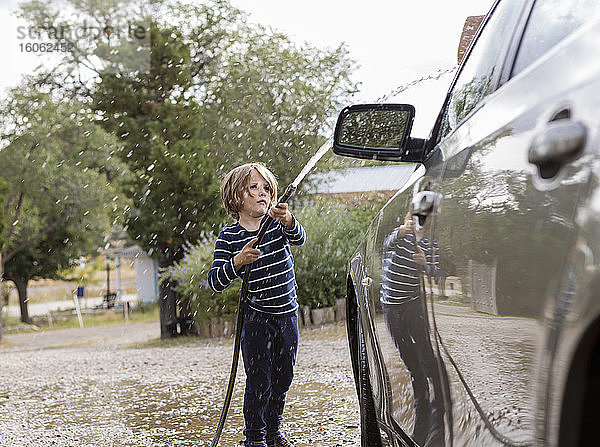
[(407, 256)]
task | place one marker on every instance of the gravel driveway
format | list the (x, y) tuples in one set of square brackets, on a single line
[(91, 387)]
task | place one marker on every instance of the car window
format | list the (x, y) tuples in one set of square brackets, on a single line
[(550, 22), (478, 76)]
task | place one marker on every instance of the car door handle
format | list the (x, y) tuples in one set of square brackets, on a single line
[(560, 142), (424, 203)]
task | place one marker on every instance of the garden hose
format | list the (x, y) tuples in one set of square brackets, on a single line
[(240, 318)]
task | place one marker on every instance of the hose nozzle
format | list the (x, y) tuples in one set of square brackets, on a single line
[(291, 189)]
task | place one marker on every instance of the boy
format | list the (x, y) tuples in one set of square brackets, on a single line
[(269, 338)]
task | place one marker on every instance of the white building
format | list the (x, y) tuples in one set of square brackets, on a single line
[(146, 273)]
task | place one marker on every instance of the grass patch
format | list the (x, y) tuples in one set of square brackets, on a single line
[(69, 320), (10, 321)]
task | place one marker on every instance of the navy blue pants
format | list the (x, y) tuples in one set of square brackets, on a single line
[(408, 326), (269, 346)]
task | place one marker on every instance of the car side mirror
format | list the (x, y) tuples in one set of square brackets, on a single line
[(377, 132)]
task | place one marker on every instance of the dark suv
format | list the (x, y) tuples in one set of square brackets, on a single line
[(474, 299)]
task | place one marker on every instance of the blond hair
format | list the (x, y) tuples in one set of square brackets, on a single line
[(236, 182)]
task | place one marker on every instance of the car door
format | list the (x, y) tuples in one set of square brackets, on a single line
[(403, 365), (506, 226)]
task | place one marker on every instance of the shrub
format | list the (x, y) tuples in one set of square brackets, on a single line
[(334, 230), (190, 275)]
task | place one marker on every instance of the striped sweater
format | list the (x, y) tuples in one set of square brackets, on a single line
[(401, 274), (272, 287)]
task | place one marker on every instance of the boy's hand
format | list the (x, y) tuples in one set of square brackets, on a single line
[(419, 258), (247, 256), (282, 214), (408, 227)]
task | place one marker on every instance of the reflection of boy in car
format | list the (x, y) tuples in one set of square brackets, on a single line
[(407, 255)]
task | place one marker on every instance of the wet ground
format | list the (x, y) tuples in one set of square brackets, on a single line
[(92, 387)]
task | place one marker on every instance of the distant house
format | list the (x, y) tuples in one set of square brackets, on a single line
[(146, 272), (361, 182)]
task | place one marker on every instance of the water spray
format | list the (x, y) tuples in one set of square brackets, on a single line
[(289, 191)]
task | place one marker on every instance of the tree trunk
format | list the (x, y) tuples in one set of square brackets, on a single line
[(22, 289), (168, 311), (187, 323)]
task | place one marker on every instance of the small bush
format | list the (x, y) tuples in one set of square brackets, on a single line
[(333, 232), (190, 275)]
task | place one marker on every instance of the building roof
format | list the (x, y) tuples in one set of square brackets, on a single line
[(133, 251), (374, 178)]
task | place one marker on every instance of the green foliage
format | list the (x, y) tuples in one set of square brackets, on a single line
[(82, 274), (258, 95), (273, 101), (333, 232), (47, 257), (82, 25), (62, 179), (4, 293), (174, 190), (207, 29), (190, 275)]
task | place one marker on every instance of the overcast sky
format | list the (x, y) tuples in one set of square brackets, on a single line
[(393, 41)]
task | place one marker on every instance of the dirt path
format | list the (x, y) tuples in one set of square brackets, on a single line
[(101, 336), (89, 387)]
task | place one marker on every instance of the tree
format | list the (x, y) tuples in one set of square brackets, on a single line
[(51, 254), (262, 96), (153, 109), (174, 190), (3, 194), (62, 172), (214, 89), (273, 101), (81, 24)]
